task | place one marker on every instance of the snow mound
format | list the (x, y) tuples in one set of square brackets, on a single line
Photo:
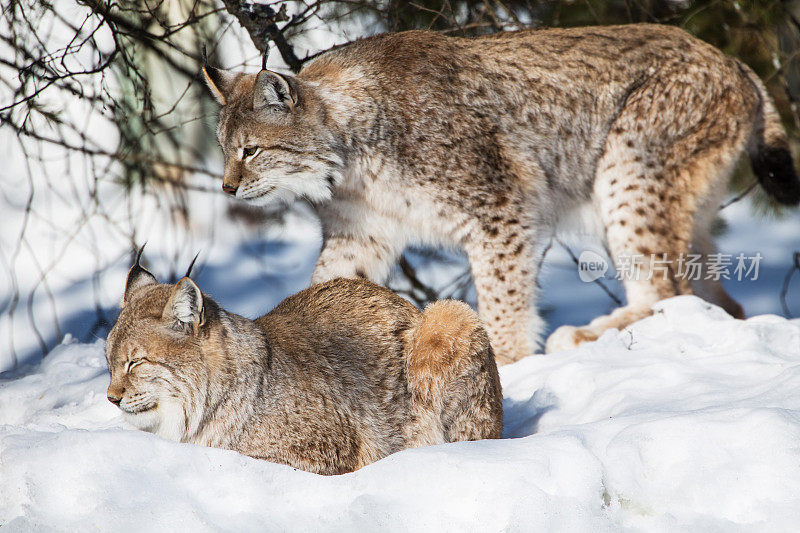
[(688, 420)]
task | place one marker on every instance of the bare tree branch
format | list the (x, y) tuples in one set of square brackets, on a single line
[(260, 22)]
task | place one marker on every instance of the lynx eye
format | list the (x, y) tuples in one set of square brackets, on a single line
[(249, 151), (132, 364)]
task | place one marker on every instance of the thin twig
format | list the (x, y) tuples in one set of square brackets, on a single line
[(411, 274), (785, 290), (598, 281), (738, 196)]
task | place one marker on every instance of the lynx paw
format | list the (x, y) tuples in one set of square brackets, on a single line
[(567, 338)]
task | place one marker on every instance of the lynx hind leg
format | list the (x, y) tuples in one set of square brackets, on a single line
[(644, 222), (455, 387), (647, 201)]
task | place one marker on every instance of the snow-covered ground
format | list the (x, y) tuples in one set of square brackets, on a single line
[(689, 420)]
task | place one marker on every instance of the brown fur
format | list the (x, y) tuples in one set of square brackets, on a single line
[(438, 346), (491, 143), (328, 381), (439, 361)]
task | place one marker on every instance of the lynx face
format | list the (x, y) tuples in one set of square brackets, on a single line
[(273, 136), (155, 361), (145, 388)]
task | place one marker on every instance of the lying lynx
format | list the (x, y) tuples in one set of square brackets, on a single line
[(334, 378), (491, 143)]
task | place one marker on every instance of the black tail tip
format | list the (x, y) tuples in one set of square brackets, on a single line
[(775, 171)]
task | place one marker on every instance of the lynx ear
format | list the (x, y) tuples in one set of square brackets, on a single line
[(274, 90), (184, 309), (137, 278), (220, 82)]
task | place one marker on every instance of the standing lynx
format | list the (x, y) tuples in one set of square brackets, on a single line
[(490, 143), (334, 378)]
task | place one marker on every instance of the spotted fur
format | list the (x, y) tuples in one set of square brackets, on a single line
[(491, 143)]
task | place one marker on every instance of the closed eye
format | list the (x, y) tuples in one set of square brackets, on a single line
[(132, 364)]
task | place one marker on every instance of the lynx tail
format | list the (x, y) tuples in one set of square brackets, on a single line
[(442, 347), (769, 149)]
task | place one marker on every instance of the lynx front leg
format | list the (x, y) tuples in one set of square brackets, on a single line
[(351, 257), (504, 270)]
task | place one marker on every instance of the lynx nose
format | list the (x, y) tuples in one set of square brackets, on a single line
[(115, 392), (230, 189)]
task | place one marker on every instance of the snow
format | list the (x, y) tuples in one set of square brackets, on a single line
[(688, 420)]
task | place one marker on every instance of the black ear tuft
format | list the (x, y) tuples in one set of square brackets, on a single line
[(191, 266), (137, 278), (139, 255), (220, 82)]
